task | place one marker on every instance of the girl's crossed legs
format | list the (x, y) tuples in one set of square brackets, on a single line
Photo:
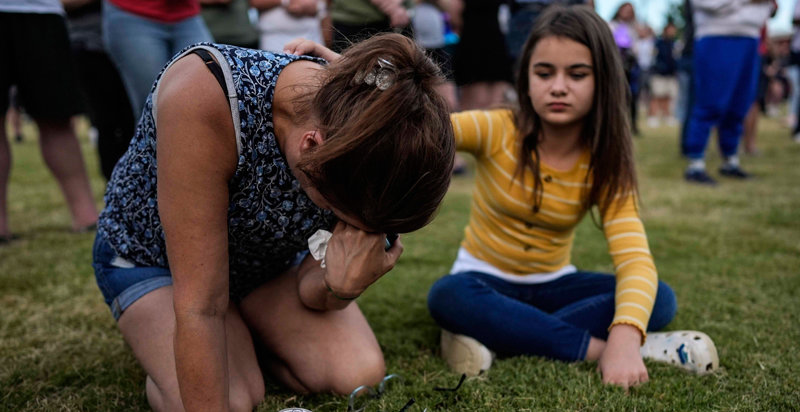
[(554, 319)]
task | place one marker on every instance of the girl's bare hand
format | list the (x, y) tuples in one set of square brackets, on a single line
[(621, 363)]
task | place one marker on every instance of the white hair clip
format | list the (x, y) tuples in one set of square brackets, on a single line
[(381, 77)]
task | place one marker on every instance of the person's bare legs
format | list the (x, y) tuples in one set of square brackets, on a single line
[(448, 91), (751, 129), (653, 108), (482, 95), (472, 96), (498, 93), (5, 171), (666, 109), (62, 155), (313, 351), (148, 326)]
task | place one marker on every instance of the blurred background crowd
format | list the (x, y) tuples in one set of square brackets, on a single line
[(100, 58)]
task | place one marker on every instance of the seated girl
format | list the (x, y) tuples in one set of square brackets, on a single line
[(539, 170)]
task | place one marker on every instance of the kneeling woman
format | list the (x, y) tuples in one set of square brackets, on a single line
[(241, 156)]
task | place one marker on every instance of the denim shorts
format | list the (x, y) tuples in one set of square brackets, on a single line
[(121, 281)]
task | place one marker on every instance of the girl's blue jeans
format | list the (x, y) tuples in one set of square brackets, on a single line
[(554, 319)]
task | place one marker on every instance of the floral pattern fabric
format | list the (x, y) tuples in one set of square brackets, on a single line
[(270, 218)]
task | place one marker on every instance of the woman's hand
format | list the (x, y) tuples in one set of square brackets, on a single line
[(356, 259), (398, 15), (621, 363), (302, 8), (304, 47)]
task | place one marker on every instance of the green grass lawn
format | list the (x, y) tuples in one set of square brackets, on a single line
[(731, 253)]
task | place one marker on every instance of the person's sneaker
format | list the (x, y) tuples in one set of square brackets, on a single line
[(735, 172), (687, 349), (699, 176), (464, 354)]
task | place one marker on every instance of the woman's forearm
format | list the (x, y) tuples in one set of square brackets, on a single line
[(355, 259), (312, 289), (201, 361)]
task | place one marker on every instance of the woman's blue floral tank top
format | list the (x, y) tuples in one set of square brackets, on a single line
[(270, 218)]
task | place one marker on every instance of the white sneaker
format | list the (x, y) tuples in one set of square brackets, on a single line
[(464, 354), (687, 349)]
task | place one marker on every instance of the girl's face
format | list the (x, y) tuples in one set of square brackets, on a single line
[(561, 81)]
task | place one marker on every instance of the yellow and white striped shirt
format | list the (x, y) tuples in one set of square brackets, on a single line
[(504, 231)]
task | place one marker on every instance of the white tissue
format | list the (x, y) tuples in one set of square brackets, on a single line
[(318, 245)]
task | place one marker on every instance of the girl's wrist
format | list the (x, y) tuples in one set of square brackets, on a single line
[(625, 334)]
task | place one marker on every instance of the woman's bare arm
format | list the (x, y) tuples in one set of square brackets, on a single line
[(196, 158)]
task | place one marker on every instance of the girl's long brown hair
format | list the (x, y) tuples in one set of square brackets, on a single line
[(606, 131)]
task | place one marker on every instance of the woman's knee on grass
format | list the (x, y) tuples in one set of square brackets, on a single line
[(364, 367), (346, 372), (246, 391), (245, 398)]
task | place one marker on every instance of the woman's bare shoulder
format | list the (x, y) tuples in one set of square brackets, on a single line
[(189, 83), (192, 111)]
